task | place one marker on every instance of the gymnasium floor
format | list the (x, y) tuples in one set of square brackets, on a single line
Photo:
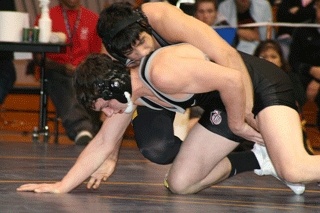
[(136, 185)]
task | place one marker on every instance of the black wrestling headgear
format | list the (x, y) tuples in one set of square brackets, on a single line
[(114, 88), (136, 17), (100, 77)]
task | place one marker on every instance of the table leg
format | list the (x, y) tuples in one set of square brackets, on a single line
[(42, 129)]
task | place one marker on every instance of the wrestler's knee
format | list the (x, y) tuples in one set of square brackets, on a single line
[(177, 185), (291, 172), (160, 154), (160, 151)]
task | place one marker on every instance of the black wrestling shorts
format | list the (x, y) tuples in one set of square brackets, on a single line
[(271, 85)]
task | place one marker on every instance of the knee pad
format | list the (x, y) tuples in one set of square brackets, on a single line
[(161, 151), (154, 135)]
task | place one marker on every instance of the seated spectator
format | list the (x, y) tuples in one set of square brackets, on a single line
[(239, 12), (7, 69), (78, 23), (207, 12), (292, 11), (304, 58)]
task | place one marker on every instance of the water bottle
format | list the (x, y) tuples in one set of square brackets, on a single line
[(45, 22)]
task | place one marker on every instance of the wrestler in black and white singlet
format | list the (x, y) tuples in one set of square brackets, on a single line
[(272, 86)]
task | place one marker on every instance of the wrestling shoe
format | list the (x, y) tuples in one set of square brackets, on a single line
[(266, 168)]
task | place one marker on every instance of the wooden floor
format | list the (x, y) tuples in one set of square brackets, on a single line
[(136, 185)]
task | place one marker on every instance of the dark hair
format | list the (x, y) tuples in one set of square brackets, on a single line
[(119, 27), (214, 2), (272, 44), (101, 77)]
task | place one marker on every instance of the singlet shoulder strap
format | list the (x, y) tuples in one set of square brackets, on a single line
[(176, 105), (159, 39)]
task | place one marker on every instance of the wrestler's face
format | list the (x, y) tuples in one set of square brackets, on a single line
[(109, 107), (143, 46), (272, 56)]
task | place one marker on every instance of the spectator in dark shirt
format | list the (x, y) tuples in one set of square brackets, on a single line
[(304, 58), (292, 11), (7, 69)]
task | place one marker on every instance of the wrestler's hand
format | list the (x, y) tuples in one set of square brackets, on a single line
[(249, 133), (102, 173), (251, 121), (42, 188)]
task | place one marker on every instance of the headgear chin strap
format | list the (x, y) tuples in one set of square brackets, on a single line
[(129, 108)]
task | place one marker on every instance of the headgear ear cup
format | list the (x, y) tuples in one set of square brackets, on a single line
[(129, 103), (101, 77), (119, 85)]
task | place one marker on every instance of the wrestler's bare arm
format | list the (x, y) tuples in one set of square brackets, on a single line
[(96, 152), (106, 169), (175, 26), (198, 75)]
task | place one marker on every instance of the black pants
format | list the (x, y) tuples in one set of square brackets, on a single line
[(7, 78)]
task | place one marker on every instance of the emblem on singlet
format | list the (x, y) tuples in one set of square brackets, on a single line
[(215, 117)]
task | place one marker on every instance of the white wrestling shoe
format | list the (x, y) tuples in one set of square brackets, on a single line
[(268, 169)]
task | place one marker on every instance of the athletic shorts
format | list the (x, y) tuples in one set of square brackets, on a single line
[(272, 86)]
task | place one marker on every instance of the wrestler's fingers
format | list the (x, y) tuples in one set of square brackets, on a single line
[(96, 184), (259, 140), (27, 187), (91, 182), (38, 188)]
